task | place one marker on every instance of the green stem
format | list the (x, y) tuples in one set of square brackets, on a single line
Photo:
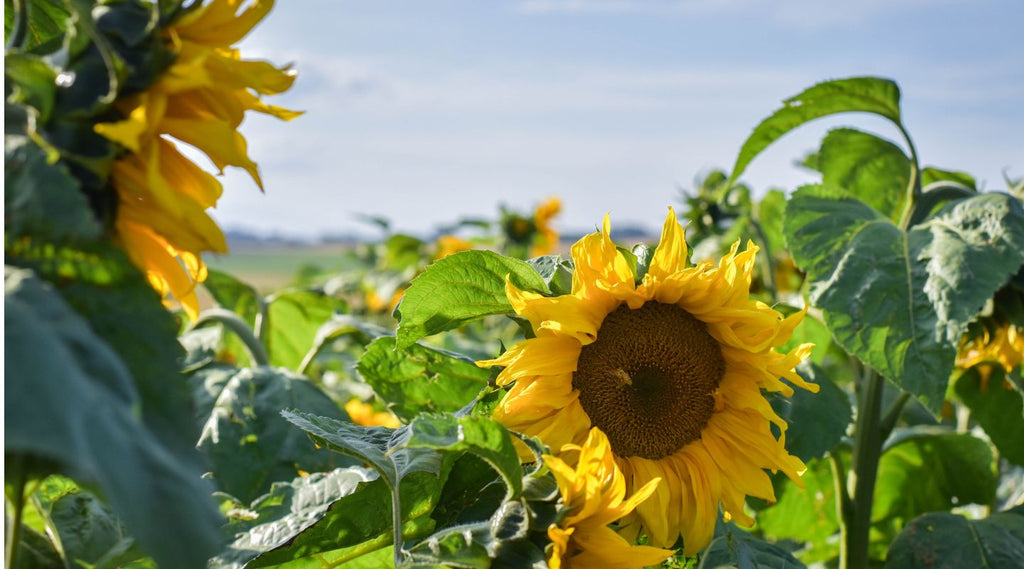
[(14, 524), (867, 450), (767, 259), (396, 523), (240, 327), (844, 506), (892, 415), (914, 184)]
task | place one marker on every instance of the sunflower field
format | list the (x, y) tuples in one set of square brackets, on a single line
[(823, 377)]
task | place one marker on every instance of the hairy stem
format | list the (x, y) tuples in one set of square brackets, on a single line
[(844, 506), (867, 450), (240, 327)]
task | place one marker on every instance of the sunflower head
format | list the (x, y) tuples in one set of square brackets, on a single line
[(200, 99), (366, 415), (672, 368), (594, 495), (450, 244), (547, 238)]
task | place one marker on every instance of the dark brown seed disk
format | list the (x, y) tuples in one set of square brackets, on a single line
[(647, 381)]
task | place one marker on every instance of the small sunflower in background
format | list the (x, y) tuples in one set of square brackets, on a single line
[(671, 367), (449, 245), (533, 235), (594, 494), (200, 99), (366, 415), (546, 239), (1001, 345)]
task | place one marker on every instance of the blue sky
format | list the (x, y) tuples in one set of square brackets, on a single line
[(424, 111)]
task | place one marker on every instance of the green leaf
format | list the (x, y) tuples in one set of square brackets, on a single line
[(817, 421), (501, 541), (644, 255), (46, 21), (89, 532), (930, 469), (733, 547), (972, 246), (42, 200), (997, 408), (556, 272), (420, 379), (381, 447), (289, 509), (70, 398), (856, 94), (459, 289), (292, 321), (948, 541), (247, 442), (33, 82), (770, 212), (353, 526), (870, 168), (805, 514), (931, 175), (900, 301), (479, 435)]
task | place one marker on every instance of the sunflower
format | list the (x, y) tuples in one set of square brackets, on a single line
[(594, 493), (1002, 346), (200, 100), (547, 238), (449, 245), (366, 415), (671, 369)]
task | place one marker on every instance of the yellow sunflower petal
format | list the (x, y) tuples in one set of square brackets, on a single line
[(670, 255)]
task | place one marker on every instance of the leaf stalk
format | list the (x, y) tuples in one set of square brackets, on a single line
[(867, 450)]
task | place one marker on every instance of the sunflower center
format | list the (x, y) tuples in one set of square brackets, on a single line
[(647, 381)]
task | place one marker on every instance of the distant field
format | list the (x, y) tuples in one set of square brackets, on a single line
[(271, 268)]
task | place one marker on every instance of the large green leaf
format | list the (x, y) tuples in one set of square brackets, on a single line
[(556, 272), (948, 541), (247, 442), (289, 509), (930, 469), (805, 514), (292, 321), (420, 379), (459, 289), (817, 421), (71, 399), (476, 434), (733, 547), (997, 408), (855, 94), (234, 295), (872, 169), (42, 200), (899, 300)]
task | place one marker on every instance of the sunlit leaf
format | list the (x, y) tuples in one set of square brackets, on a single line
[(805, 514), (479, 435), (930, 469), (459, 289), (870, 168), (420, 379), (856, 94), (292, 321)]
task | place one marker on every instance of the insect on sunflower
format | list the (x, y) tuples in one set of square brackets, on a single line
[(671, 368)]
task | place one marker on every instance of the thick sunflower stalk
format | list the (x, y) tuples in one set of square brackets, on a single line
[(200, 100)]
